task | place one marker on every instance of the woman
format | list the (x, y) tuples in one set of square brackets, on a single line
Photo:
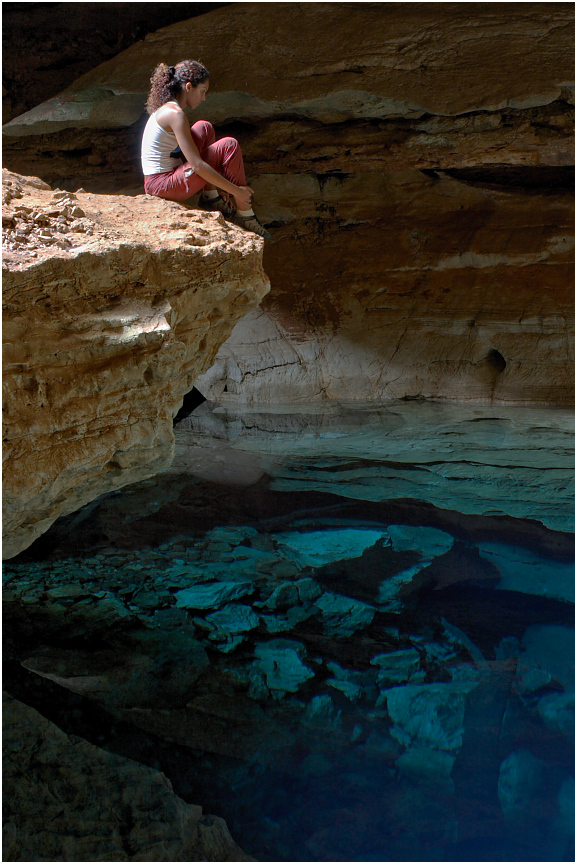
[(210, 165)]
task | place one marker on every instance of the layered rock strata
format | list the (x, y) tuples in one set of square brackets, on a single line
[(374, 60), (418, 185), (407, 286), (112, 308), (70, 800)]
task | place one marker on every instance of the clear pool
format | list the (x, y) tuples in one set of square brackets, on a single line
[(347, 630)]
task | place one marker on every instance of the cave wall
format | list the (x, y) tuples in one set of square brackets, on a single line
[(46, 46), (415, 166)]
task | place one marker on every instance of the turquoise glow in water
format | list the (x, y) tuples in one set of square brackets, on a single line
[(348, 631)]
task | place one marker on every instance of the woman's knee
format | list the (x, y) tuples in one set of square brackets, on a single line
[(203, 132), (231, 144)]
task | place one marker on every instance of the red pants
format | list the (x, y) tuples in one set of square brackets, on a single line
[(223, 155)]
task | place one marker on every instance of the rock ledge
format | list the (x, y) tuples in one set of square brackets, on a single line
[(113, 306)]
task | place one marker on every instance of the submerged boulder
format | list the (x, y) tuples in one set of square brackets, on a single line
[(429, 715), (317, 548), (280, 662), (343, 616), (213, 595)]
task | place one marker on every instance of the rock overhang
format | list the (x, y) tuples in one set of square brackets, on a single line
[(112, 307)]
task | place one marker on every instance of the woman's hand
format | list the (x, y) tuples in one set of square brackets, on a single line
[(242, 197)]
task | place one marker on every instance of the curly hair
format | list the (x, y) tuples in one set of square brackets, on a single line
[(167, 81)]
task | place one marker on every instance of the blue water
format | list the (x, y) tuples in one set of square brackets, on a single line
[(349, 632)]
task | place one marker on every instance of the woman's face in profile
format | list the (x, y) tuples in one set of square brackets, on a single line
[(197, 94)]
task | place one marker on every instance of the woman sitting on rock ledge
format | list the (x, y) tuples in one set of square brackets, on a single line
[(210, 165)]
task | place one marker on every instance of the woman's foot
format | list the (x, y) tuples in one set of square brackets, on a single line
[(216, 204), (251, 223)]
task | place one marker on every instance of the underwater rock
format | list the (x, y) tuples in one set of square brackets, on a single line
[(390, 587), (546, 653), (520, 776), (141, 668), (343, 616), (308, 590), (428, 542), (352, 683), (231, 534), (537, 807), (292, 594), (317, 548), (103, 336), (428, 715), (279, 662), (321, 713), (72, 801), (315, 765), (230, 622), (275, 624), (230, 726), (212, 595), (396, 666), (558, 712), (424, 763), (351, 690), (523, 570), (282, 597)]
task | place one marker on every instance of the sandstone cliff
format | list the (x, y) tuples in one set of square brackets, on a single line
[(415, 168), (112, 308)]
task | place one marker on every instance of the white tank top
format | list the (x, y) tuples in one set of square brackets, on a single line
[(157, 145)]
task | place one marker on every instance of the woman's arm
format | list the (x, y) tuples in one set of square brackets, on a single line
[(180, 126)]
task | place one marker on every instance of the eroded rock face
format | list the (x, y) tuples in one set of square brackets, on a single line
[(402, 286), (72, 801), (112, 307)]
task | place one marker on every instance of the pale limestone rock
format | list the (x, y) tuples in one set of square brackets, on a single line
[(72, 801), (469, 459), (106, 327)]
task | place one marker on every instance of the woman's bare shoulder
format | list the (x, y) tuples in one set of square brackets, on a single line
[(167, 114)]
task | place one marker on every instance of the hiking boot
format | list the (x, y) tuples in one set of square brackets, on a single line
[(251, 223), (216, 204)]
